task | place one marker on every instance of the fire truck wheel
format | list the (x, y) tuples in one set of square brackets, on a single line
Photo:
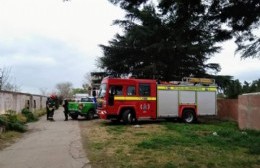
[(188, 116), (128, 117)]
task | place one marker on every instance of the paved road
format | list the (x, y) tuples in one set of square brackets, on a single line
[(47, 145)]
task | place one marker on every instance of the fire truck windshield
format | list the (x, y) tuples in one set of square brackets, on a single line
[(102, 90)]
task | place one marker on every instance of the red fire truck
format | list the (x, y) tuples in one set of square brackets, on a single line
[(130, 100)]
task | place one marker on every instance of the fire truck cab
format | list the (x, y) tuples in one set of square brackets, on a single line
[(130, 100)]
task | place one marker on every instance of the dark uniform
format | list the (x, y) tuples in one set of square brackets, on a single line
[(50, 105), (66, 110)]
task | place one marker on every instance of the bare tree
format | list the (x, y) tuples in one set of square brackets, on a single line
[(64, 89), (11, 87), (87, 79), (5, 80), (4, 76), (43, 91)]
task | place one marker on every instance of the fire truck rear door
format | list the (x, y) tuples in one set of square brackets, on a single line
[(206, 103)]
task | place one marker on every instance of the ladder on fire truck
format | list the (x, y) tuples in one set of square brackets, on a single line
[(192, 81), (201, 81)]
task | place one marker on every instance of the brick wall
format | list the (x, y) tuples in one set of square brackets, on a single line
[(249, 111), (227, 109), (245, 110)]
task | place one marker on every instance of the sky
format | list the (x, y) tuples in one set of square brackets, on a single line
[(46, 42)]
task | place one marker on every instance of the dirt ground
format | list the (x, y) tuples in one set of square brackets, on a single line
[(47, 145)]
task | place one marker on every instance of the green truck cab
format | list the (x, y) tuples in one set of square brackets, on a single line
[(86, 107)]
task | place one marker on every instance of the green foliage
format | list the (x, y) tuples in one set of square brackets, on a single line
[(212, 143), (3, 120), (21, 118), (16, 122), (162, 46), (11, 112), (176, 38), (16, 126), (29, 115), (79, 90), (222, 81), (161, 142), (228, 137), (241, 16), (11, 122), (116, 129), (40, 112), (233, 88), (251, 49)]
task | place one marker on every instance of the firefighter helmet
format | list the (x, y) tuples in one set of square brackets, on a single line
[(53, 96)]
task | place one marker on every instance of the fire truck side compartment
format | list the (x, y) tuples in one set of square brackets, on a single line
[(167, 103), (206, 103)]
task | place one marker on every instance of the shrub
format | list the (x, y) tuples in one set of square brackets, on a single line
[(21, 118), (40, 112), (3, 120), (16, 122), (29, 115), (11, 122), (11, 118), (16, 126), (11, 112)]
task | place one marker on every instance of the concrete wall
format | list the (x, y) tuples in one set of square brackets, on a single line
[(228, 109), (17, 101), (249, 111)]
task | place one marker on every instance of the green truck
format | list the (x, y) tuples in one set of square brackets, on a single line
[(86, 107)]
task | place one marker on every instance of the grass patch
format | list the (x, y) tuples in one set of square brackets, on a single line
[(116, 129), (169, 144), (12, 124), (8, 138), (40, 112)]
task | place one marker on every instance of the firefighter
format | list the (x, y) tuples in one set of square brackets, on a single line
[(66, 110), (50, 105)]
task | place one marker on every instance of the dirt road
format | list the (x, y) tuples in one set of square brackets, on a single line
[(47, 145)]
